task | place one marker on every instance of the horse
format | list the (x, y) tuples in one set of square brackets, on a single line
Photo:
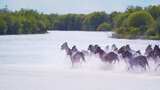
[(148, 50), (107, 57), (114, 48), (126, 54), (74, 54), (139, 61), (153, 53), (122, 49), (65, 47), (133, 59), (156, 51), (74, 49), (92, 48), (127, 48)]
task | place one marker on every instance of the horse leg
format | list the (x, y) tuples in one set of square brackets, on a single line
[(83, 58), (144, 68), (114, 61), (157, 67), (147, 65), (72, 61), (130, 67), (72, 64), (117, 59)]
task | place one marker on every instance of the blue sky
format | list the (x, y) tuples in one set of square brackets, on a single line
[(77, 6)]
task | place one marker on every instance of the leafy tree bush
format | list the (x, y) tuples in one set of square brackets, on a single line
[(142, 20), (104, 27), (3, 26), (91, 21)]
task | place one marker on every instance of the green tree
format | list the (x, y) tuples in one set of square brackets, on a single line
[(3, 26), (154, 11), (142, 20), (91, 21), (120, 19), (104, 27)]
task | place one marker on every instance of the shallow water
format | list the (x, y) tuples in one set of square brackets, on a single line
[(45, 48), (32, 62)]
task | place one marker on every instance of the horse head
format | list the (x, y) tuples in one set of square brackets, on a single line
[(156, 48), (90, 47), (121, 50), (74, 49), (128, 48), (114, 47), (156, 51), (64, 46), (148, 50), (99, 51)]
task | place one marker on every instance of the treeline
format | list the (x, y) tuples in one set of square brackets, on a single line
[(22, 22), (31, 22), (84, 22), (135, 22)]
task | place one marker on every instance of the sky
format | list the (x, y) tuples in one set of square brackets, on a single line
[(76, 6)]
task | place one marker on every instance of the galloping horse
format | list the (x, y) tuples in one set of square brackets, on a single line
[(153, 53), (107, 57), (92, 48), (74, 54), (139, 60), (148, 50)]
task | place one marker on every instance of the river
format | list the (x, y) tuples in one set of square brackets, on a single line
[(30, 62)]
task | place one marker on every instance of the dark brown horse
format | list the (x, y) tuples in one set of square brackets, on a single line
[(110, 57)]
